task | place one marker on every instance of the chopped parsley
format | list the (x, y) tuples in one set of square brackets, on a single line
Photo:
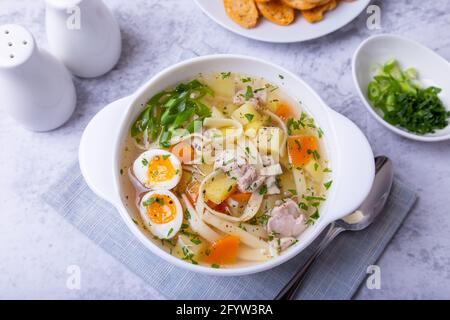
[(260, 220), (249, 93), (263, 190), (187, 215), (303, 206), (225, 75), (144, 162), (313, 218), (316, 166), (215, 266), (249, 117), (328, 184), (404, 103)]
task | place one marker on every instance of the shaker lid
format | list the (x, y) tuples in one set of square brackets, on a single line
[(16, 45), (63, 4)]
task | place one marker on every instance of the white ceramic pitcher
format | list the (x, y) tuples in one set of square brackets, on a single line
[(35, 88), (84, 35)]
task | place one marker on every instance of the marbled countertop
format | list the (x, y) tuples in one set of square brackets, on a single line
[(37, 245)]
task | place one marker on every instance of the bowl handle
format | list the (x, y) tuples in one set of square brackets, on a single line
[(96, 152), (355, 169)]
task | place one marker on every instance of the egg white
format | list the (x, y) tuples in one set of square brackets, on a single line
[(140, 169), (167, 230)]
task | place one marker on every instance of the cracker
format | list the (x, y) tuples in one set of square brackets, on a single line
[(243, 12), (317, 14), (277, 12)]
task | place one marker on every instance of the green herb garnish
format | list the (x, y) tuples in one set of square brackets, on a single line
[(249, 93), (263, 190), (404, 103), (225, 75), (249, 117), (170, 110)]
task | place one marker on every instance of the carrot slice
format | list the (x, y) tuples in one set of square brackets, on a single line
[(224, 251), (222, 207), (183, 151), (302, 149), (241, 196), (284, 111)]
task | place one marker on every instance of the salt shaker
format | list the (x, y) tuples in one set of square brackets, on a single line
[(36, 89), (84, 35)]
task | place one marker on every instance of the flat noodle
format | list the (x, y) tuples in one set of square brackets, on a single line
[(229, 228), (256, 230), (253, 152), (283, 127), (253, 206), (179, 139), (197, 223), (224, 123), (250, 254), (300, 182)]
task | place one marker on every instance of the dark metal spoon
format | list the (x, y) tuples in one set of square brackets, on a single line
[(360, 220)]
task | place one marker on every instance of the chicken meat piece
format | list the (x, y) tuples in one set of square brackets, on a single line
[(259, 97), (286, 220), (248, 179)]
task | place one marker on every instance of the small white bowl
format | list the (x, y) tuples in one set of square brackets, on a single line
[(433, 70)]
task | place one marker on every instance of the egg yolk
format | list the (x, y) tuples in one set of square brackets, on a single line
[(161, 209), (160, 169), (224, 251)]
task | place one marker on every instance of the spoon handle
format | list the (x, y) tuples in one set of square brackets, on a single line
[(291, 288)]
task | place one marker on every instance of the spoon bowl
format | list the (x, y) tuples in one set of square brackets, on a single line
[(433, 70), (357, 221), (375, 201)]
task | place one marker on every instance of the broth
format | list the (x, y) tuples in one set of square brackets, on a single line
[(246, 163)]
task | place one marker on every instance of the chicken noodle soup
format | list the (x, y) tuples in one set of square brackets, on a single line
[(224, 170)]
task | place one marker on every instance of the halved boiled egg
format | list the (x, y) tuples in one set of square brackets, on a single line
[(162, 213), (158, 169)]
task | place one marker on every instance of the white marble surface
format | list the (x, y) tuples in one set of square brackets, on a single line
[(37, 245)]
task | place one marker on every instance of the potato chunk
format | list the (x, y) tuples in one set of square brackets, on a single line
[(220, 188), (247, 114)]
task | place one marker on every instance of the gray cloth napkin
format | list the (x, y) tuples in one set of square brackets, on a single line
[(337, 274)]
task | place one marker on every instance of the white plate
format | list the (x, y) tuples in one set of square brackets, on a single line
[(299, 31)]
